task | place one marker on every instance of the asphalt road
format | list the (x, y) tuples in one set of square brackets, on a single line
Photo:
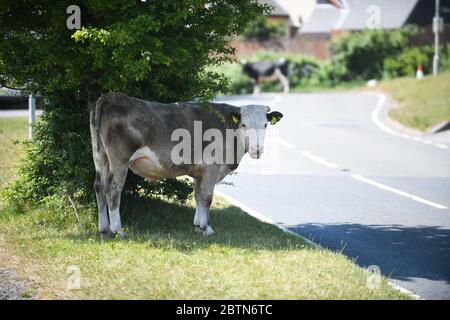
[(335, 174)]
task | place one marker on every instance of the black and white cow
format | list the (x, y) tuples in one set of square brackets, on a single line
[(129, 133), (266, 70)]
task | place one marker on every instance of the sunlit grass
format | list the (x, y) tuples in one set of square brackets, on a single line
[(11, 131), (423, 103), (163, 258)]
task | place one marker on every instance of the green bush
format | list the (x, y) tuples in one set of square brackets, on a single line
[(445, 57), (155, 50), (303, 71), (406, 63), (263, 29), (360, 56)]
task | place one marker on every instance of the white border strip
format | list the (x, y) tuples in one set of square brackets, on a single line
[(318, 159), (405, 291), (397, 191), (263, 218), (375, 117)]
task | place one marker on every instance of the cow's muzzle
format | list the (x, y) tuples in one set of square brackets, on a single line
[(255, 152)]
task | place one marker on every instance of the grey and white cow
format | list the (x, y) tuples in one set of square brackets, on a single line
[(266, 71), (129, 133)]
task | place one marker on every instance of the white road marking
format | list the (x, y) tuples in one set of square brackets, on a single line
[(283, 142), (375, 117), (265, 219), (326, 163), (397, 191), (318, 159)]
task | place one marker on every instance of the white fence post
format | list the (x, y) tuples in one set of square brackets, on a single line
[(31, 115), (437, 25)]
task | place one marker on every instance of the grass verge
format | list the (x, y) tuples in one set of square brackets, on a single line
[(422, 104), (163, 258), (11, 130)]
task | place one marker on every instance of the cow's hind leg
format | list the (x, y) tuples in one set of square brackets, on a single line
[(100, 184), (100, 193), (116, 180), (204, 189)]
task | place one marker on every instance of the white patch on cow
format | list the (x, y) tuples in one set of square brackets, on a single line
[(114, 218), (209, 231), (201, 220), (103, 222), (135, 132), (196, 219), (253, 125), (145, 163)]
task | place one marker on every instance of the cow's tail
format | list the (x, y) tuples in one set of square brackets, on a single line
[(95, 117)]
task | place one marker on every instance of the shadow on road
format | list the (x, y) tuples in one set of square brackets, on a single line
[(401, 252)]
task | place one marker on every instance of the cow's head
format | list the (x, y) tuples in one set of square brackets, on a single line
[(252, 122), (247, 67)]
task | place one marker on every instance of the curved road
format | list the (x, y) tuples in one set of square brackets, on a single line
[(335, 174)]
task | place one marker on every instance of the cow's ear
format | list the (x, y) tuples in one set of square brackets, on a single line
[(235, 117), (274, 117)]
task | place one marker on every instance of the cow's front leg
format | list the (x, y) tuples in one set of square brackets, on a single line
[(256, 86), (285, 83), (204, 189)]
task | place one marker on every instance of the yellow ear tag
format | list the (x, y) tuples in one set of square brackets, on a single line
[(273, 120), (235, 119)]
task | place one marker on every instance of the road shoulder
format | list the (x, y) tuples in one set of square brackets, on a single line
[(441, 139)]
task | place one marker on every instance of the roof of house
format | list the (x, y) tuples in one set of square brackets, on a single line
[(322, 20), (296, 11), (356, 15), (424, 12), (278, 8)]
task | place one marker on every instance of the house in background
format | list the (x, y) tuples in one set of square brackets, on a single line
[(358, 15), (314, 23), (325, 23), (15, 99), (293, 13), (12, 99)]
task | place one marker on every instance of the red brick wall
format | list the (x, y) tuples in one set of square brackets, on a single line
[(311, 45)]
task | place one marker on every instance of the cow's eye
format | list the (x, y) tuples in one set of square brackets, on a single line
[(243, 125)]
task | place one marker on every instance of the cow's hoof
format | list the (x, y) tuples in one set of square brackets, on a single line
[(208, 231), (120, 234), (205, 231), (107, 234), (198, 229)]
